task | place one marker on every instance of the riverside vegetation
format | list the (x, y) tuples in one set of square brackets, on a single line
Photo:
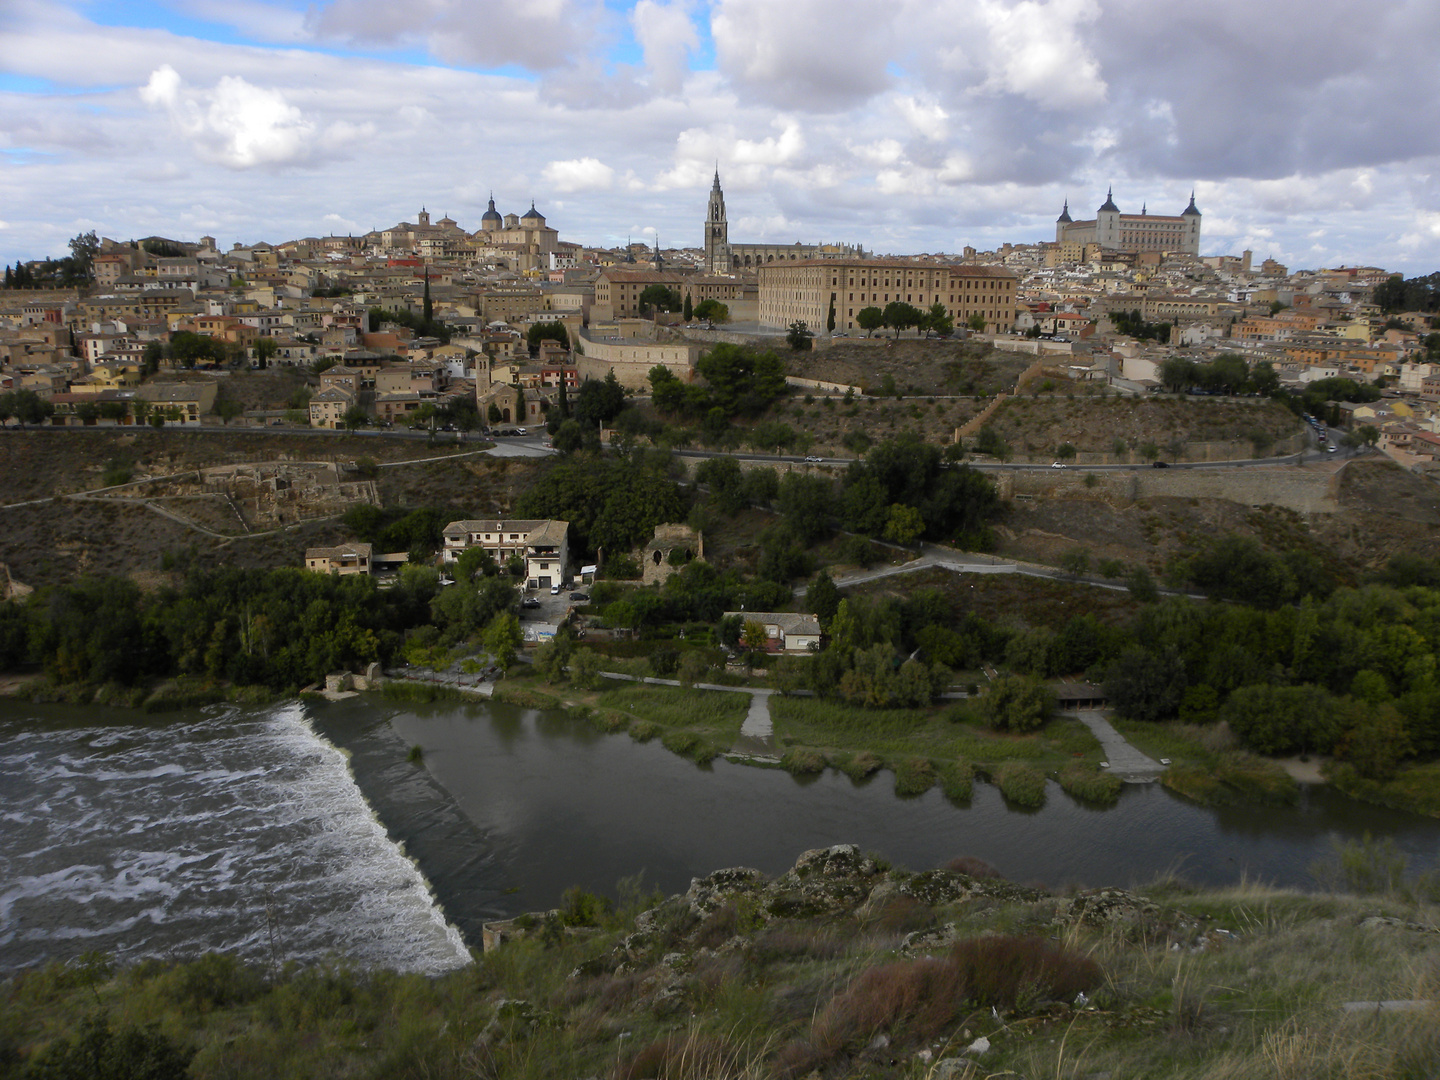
[(841, 967)]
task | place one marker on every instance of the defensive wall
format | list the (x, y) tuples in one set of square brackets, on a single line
[(1309, 489)]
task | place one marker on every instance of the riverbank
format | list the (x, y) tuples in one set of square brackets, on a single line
[(842, 965)]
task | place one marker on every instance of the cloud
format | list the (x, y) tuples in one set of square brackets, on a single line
[(242, 126), (583, 174), (540, 35), (815, 55), (1035, 51), (668, 38)]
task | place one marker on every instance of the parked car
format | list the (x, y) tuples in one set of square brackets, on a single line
[(521, 431), (579, 596), (554, 590)]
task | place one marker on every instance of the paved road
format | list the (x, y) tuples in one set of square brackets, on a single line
[(1125, 761)]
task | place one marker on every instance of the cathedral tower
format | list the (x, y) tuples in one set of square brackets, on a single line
[(717, 232)]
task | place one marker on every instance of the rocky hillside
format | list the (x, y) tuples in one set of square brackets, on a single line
[(841, 967)]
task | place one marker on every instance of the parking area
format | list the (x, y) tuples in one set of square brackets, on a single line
[(539, 605)]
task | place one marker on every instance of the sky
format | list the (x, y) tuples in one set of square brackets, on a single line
[(1305, 129)]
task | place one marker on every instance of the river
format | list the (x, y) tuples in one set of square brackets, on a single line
[(250, 830)]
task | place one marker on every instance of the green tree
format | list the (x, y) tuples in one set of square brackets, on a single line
[(1282, 719), (1177, 374), (96, 1052), (713, 310), (355, 418), (546, 331), (265, 350), (976, 322), (228, 409), (904, 525), (154, 353), (869, 319), (569, 437), (822, 598), (901, 316), (599, 400), (799, 336), (83, 250), (1146, 684), (1076, 561), (659, 297), (689, 312), (1016, 703), (28, 407), (830, 316), (502, 638), (938, 320)]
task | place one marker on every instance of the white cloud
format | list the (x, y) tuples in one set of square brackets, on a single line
[(668, 38), (803, 54), (236, 124), (582, 174), (1036, 51), (927, 118)]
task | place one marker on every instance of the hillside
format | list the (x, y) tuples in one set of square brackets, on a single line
[(841, 967)]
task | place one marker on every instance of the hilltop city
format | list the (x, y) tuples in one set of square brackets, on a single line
[(406, 320)]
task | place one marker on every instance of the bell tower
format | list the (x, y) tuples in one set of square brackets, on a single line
[(717, 232)]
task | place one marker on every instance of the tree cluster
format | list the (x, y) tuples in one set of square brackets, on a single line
[(737, 382), (1416, 294), (1131, 324), (423, 325), (613, 503), (1228, 373)]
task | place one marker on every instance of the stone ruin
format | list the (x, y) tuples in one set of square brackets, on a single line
[(669, 551)]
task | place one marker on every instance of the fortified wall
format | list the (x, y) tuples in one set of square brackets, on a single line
[(1312, 489)]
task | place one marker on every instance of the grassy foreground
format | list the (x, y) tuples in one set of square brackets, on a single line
[(842, 967)]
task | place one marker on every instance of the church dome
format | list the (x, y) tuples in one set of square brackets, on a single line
[(491, 218), (533, 216)]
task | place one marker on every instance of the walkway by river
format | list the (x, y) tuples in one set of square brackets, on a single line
[(1125, 761)]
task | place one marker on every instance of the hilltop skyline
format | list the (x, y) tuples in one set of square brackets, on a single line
[(904, 127)]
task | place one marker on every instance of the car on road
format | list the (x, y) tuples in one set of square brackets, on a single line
[(530, 601), (1332, 448), (1057, 464), (1159, 464), (812, 457), (521, 431)]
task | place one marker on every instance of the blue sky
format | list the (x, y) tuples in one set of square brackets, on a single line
[(904, 125)]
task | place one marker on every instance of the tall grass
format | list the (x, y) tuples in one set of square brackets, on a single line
[(1022, 784)]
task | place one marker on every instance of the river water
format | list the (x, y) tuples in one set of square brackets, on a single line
[(261, 831)]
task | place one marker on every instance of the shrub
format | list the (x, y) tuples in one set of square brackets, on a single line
[(802, 761), (913, 776), (1021, 783), (578, 907), (1089, 784), (688, 1056)]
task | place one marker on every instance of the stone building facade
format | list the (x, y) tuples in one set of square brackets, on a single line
[(803, 291), (1114, 231)]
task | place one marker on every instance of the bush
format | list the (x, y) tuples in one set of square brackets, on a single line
[(802, 761), (1021, 783), (1089, 784), (918, 999), (913, 776)]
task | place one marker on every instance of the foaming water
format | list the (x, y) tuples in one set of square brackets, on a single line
[(228, 830)]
